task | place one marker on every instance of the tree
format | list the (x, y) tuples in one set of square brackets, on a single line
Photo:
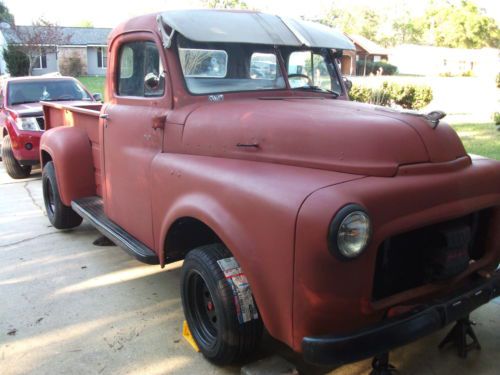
[(41, 36), (362, 21), (85, 23), (225, 4), (446, 23), (17, 62), (5, 15), (461, 25)]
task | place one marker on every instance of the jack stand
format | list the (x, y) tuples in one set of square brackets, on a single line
[(458, 336), (103, 241), (381, 365)]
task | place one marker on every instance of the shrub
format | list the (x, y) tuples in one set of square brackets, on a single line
[(496, 118), (360, 93), (411, 96), (498, 81), (72, 66), (406, 96), (17, 62), (373, 68)]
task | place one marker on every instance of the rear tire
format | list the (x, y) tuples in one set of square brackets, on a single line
[(210, 310), (60, 216), (12, 166)]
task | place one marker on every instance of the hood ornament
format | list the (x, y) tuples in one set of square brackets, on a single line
[(432, 117)]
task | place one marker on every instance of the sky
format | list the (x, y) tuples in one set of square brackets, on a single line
[(108, 13)]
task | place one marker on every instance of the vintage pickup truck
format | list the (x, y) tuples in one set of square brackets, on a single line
[(227, 139)]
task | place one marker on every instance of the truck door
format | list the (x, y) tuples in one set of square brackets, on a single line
[(133, 132)]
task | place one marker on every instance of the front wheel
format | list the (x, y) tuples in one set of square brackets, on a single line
[(60, 215), (224, 323), (12, 166)]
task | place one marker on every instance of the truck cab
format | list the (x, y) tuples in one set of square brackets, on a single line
[(227, 139)]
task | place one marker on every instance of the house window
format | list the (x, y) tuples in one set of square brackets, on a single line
[(102, 57), (41, 60)]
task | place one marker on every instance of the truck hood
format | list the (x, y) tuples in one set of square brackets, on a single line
[(319, 133), (35, 109)]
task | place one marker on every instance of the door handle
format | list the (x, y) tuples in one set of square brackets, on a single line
[(248, 145), (104, 116), (159, 122)]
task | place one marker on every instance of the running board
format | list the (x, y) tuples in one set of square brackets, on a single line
[(92, 209)]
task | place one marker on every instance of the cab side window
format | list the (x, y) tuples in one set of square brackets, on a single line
[(140, 70)]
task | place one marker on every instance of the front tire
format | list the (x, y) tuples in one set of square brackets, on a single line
[(209, 307), (60, 216), (12, 166)]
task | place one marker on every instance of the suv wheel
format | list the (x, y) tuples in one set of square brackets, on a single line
[(60, 216), (12, 166), (210, 308)]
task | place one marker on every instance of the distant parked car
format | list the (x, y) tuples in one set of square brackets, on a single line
[(21, 116)]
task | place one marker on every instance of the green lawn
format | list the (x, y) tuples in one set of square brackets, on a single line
[(93, 84), (481, 139)]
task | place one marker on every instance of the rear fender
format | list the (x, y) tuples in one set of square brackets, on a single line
[(71, 152)]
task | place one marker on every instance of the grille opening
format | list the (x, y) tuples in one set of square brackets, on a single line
[(430, 254)]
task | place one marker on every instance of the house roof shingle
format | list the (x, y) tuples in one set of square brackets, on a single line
[(79, 36)]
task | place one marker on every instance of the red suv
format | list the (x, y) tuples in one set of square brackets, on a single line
[(21, 116)]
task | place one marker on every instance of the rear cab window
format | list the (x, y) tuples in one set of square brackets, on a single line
[(210, 68)]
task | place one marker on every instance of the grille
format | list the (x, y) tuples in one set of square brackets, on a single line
[(430, 254)]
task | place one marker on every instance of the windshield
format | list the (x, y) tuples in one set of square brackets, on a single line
[(211, 68), (311, 69), (46, 90)]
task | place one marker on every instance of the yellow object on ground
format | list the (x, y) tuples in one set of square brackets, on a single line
[(186, 333)]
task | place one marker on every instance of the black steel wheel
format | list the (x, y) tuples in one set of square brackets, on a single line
[(210, 309), (60, 215)]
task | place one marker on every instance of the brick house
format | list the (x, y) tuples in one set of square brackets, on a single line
[(366, 51), (88, 44)]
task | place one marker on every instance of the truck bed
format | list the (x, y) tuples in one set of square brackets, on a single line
[(82, 116)]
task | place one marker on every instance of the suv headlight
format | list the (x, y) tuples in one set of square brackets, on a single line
[(27, 123), (349, 232)]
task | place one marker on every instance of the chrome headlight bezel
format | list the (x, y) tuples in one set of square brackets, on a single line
[(338, 249), (28, 123)]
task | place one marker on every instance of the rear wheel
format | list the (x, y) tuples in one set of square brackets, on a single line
[(12, 166), (60, 215), (210, 308)]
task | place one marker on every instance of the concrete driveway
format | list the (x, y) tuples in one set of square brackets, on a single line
[(69, 307)]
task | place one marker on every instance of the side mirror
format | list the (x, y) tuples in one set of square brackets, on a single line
[(97, 96), (152, 81), (347, 83)]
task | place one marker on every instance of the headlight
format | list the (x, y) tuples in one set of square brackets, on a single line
[(349, 232), (27, 123)]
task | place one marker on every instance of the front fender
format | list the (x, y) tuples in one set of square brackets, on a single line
[(252, 207), (70, 150)]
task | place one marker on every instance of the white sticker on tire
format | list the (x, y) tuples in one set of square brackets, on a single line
[(243, 299)]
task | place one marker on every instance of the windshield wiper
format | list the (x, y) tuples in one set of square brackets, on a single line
[(63, 100), (24, 102), (317, 89)]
